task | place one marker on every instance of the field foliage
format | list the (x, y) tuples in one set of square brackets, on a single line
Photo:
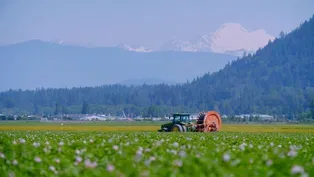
[(145, 126), (98, 153)]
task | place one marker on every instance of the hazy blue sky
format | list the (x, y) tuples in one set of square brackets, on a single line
[(146, 22)]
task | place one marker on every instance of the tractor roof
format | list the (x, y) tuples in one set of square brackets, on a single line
[(181, 114)]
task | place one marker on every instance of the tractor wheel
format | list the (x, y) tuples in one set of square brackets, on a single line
[(184, 128), (200, 122), (177, 128), (201, 117)]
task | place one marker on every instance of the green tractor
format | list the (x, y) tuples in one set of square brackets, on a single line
[(205, 122), (180, 123)]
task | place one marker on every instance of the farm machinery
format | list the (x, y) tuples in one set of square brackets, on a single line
[(205, 122)]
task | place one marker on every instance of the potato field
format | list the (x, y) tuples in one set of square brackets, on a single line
[(100, 153)]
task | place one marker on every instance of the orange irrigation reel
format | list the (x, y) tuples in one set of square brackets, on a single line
[(208, 122)]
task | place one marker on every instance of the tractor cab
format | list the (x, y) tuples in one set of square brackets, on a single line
[(181, 118), (179, 122)]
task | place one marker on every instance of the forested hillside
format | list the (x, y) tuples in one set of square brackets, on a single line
[(277, 79)]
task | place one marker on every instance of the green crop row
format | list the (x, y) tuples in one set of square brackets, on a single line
[(44, 153)]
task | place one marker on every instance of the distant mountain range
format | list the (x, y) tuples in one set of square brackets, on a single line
[(230, 38), (35, 63)]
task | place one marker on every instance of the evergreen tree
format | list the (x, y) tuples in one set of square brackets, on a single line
[(281, 34), (85, 108), (65, 110), (312, 108), (57, 109)]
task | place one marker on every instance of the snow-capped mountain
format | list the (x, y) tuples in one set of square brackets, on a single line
[(233, 37), (230, 38), (71, 43), (177, 45), (134, 48)]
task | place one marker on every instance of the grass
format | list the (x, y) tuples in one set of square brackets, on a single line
[(143, 126)]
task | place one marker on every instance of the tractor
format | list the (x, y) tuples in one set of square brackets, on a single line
[(181, 122)]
